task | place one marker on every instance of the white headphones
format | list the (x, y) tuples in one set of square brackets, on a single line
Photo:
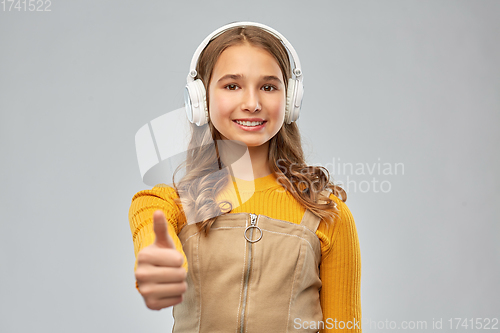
[(195, 96)]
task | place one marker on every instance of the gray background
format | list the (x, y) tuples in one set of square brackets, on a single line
[(412, 82)]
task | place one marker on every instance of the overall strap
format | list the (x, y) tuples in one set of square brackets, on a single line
[(311, 221)]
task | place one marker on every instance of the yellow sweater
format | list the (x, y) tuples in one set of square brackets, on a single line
[(340, 269)]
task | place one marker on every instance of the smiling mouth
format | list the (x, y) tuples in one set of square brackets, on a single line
[(249, 123)]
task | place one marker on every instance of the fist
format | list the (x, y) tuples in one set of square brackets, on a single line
[(159, 273)]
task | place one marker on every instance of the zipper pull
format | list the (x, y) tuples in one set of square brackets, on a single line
[(253, 224), (253, 219)]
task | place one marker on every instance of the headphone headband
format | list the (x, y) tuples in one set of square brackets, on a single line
[(297, 71)]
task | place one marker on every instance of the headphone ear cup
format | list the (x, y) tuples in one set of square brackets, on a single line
[(196, 102), (293, 100)]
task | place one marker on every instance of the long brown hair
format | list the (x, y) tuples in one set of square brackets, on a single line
[(199, 187)]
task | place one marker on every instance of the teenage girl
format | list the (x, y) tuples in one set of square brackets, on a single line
[(286, 259)]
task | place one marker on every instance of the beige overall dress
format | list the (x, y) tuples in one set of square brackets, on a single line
[(252, 273)]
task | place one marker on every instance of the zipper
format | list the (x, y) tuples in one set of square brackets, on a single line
[(252, 226)]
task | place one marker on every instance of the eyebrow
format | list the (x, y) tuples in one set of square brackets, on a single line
[(239, 76)]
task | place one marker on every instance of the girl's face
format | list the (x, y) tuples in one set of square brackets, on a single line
[(247, 95)]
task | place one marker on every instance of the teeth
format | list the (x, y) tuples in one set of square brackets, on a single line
[(250, 123)]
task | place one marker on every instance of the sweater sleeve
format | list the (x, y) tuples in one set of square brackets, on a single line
[(144, 204), (340, 273)]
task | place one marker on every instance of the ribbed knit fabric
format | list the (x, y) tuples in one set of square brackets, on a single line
[(340, 269)]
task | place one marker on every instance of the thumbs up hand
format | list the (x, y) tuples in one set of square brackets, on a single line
[(159, 273)]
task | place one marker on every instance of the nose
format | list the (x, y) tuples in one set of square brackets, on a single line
[(251, 101)]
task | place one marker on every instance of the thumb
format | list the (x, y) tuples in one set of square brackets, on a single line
[(162, 239)]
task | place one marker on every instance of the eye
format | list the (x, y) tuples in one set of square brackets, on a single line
[(231, 87), (269, 87)]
